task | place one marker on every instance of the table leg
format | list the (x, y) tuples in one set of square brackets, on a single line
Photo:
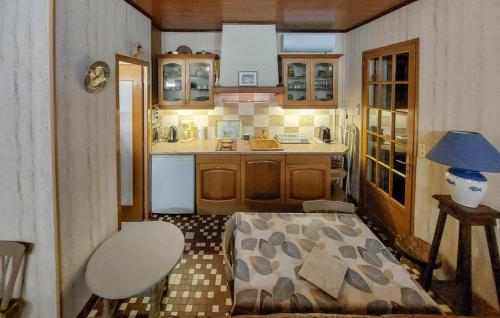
[(436, 242), (494, 258), (463, 276), (109, 307), (156, 295)]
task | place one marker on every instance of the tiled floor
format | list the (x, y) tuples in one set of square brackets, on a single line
[(197, 286)]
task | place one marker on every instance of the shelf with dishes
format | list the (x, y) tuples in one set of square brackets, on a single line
[(310, 80), (186, 81)]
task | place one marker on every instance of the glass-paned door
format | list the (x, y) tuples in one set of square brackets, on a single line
[(172, 76), (199, 81), (389, 89), (297, 82), (324, 79)]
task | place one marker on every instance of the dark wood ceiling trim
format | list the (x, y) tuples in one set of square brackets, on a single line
[(141, 10), (277, 30), (190, 30), (405, 3), (399, 6)]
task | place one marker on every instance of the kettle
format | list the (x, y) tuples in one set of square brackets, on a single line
[(324, 134), (172, 134)]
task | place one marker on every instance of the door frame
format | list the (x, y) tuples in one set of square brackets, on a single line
[(415, 45), (146, 141)]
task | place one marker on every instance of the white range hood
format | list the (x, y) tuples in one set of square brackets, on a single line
[(249, 47)]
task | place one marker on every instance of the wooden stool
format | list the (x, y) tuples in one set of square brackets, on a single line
[(458, 292), (415, 250)]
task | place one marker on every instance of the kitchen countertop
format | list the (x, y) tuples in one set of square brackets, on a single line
[(243, 147)]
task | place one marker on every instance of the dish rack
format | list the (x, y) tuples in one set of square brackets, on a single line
[(292, 138)]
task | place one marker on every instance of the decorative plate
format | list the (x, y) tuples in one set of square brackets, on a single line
[(184, 49), (96, 77)]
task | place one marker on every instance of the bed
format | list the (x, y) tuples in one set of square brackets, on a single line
[(265, 252)]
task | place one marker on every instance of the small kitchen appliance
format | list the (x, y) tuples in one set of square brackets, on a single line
[(172, 134), (186, 131), (324, 134)]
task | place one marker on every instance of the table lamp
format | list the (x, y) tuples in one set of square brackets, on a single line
[(467, 154)]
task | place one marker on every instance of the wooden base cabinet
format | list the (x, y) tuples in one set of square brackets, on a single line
[(263, 179), (229, 183), (217, 183), (307, 178)]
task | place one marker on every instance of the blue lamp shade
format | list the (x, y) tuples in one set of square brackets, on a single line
[(467, 154), (466, 150)]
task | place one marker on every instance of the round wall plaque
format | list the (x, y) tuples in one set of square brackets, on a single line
[(96, 77)]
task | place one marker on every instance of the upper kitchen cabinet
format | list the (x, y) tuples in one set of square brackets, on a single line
[(185, 81), (310, 80)]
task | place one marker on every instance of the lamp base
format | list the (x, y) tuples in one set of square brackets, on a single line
[(466, 187)]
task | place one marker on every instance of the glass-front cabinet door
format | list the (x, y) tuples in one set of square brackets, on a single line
[(324, 82), (297, 83), (200, 81), (172, 86), (388, 134)]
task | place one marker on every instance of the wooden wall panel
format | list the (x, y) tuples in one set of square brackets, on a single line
[(288, 15)]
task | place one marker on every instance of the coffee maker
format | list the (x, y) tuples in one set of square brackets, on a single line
[(325, 134), (186, 132)]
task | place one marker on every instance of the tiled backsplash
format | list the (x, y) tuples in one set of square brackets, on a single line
[(257, 112)]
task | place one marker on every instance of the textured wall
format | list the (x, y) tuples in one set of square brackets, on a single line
[(26, 182), (458, 89), (86, 31)]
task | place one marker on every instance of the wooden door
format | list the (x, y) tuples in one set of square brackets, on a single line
[(324, 82), (296, 76), (263, 179), (390, 83), (171, 82), (130, 131), (199, 82)]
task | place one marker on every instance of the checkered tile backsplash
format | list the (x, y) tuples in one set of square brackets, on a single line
[(257, 112)]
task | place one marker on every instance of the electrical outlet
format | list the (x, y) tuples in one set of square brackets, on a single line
[(421, 149)]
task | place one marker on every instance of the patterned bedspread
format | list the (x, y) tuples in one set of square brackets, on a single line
[(270, 249)]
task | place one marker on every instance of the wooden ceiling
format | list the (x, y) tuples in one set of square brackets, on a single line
[(288, 15)]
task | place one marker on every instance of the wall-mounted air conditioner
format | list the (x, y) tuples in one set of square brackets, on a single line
[(308, 42)]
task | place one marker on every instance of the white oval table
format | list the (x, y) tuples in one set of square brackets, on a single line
[(134, 260)]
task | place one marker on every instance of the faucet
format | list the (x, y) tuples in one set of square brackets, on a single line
[(262, 134)]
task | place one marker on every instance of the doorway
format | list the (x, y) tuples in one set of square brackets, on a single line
[(390, 84), (132, 138)]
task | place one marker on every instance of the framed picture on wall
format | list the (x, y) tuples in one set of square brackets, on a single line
[(247, 78)]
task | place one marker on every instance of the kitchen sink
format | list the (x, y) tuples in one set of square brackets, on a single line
[(264, 145)]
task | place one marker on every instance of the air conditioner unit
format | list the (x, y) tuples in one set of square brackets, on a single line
[(308, 42)]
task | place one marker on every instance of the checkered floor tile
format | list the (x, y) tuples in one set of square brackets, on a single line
[(197, 286)]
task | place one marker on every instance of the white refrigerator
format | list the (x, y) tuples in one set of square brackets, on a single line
[(173, 184)]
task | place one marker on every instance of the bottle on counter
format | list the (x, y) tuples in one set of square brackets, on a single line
[(202, 133)]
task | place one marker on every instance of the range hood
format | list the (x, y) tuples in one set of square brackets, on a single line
[(249, 47)]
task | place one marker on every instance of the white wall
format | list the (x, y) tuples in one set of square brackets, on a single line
[(86, 31), (26, 182), (459, 88)]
